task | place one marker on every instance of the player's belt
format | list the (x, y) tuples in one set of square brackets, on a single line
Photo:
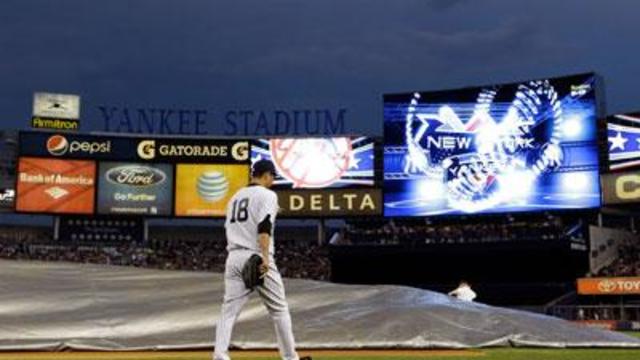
[(236, 248)]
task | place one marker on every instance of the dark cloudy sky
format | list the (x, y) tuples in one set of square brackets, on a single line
[(303, 54)]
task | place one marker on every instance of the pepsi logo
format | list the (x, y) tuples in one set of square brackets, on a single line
[(57, 145)]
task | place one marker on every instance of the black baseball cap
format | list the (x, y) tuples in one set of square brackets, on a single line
[(263, 166)]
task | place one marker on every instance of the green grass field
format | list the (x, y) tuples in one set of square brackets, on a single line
[(484, 354)]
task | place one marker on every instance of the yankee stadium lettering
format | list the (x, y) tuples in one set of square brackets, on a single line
[(228, 122)]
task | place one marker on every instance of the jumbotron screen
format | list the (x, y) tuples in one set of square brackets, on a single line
[(313, 163), (503, 148)]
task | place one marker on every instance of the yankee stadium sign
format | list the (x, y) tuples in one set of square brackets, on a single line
[(180, 121)]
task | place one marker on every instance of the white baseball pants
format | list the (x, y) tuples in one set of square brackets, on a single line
[(236, 295)]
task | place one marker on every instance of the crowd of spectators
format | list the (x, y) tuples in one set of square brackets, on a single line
[(393, 232), (170, 250), (627, 263), (598, 311)]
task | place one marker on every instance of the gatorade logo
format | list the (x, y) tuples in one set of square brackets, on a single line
[(147, 149), (58, 145), (240, 151)]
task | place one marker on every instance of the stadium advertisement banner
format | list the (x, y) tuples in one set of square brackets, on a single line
[(126, 148), (203, 190), (48, 123), (55, 186), (330, 202), (60, 106), (135, 188), (80, 146), (621, 188), (526, 146), (600, 324), (609, 286), (7, 199), (8, 157), (623, 135), (313, 163), (194, 150)]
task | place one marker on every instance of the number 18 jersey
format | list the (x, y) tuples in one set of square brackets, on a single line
[(245, 210)]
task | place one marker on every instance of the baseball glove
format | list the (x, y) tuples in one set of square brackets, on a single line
[(251, 272)]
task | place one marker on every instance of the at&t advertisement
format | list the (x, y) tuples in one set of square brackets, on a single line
[(205, 189)]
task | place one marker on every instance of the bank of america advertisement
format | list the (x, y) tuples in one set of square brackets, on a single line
[(526, 146), (135, 188), (55, 186), (203, 190)]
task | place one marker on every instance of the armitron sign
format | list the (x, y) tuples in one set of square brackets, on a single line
[(330, 202), (56, 112), (609, 286), (38, 122)]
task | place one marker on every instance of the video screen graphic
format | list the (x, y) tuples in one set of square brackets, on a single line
[(55, 186), (135, 188), (623, 135), (205, 189), (311, 163), (517, 147)]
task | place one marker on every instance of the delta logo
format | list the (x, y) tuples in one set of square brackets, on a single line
[(58, 145)]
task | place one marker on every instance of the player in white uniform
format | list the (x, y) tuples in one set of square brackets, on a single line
[(251, 214), (463, 292)]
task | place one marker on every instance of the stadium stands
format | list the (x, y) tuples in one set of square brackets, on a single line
[(198, 249), (462, 231), (626, 264)]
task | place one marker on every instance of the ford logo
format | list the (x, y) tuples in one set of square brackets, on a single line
[(135, 175)]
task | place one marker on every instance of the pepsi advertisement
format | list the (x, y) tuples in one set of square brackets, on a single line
[(520, 147), (135, 188), (75, 146), (317, 163)]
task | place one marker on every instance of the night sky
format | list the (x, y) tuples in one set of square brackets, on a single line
[(329, 54)]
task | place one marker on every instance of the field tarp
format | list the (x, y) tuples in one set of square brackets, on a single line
[(57, 306)]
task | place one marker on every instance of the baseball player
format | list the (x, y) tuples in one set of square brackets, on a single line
[(463, 292), (250, 217)]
